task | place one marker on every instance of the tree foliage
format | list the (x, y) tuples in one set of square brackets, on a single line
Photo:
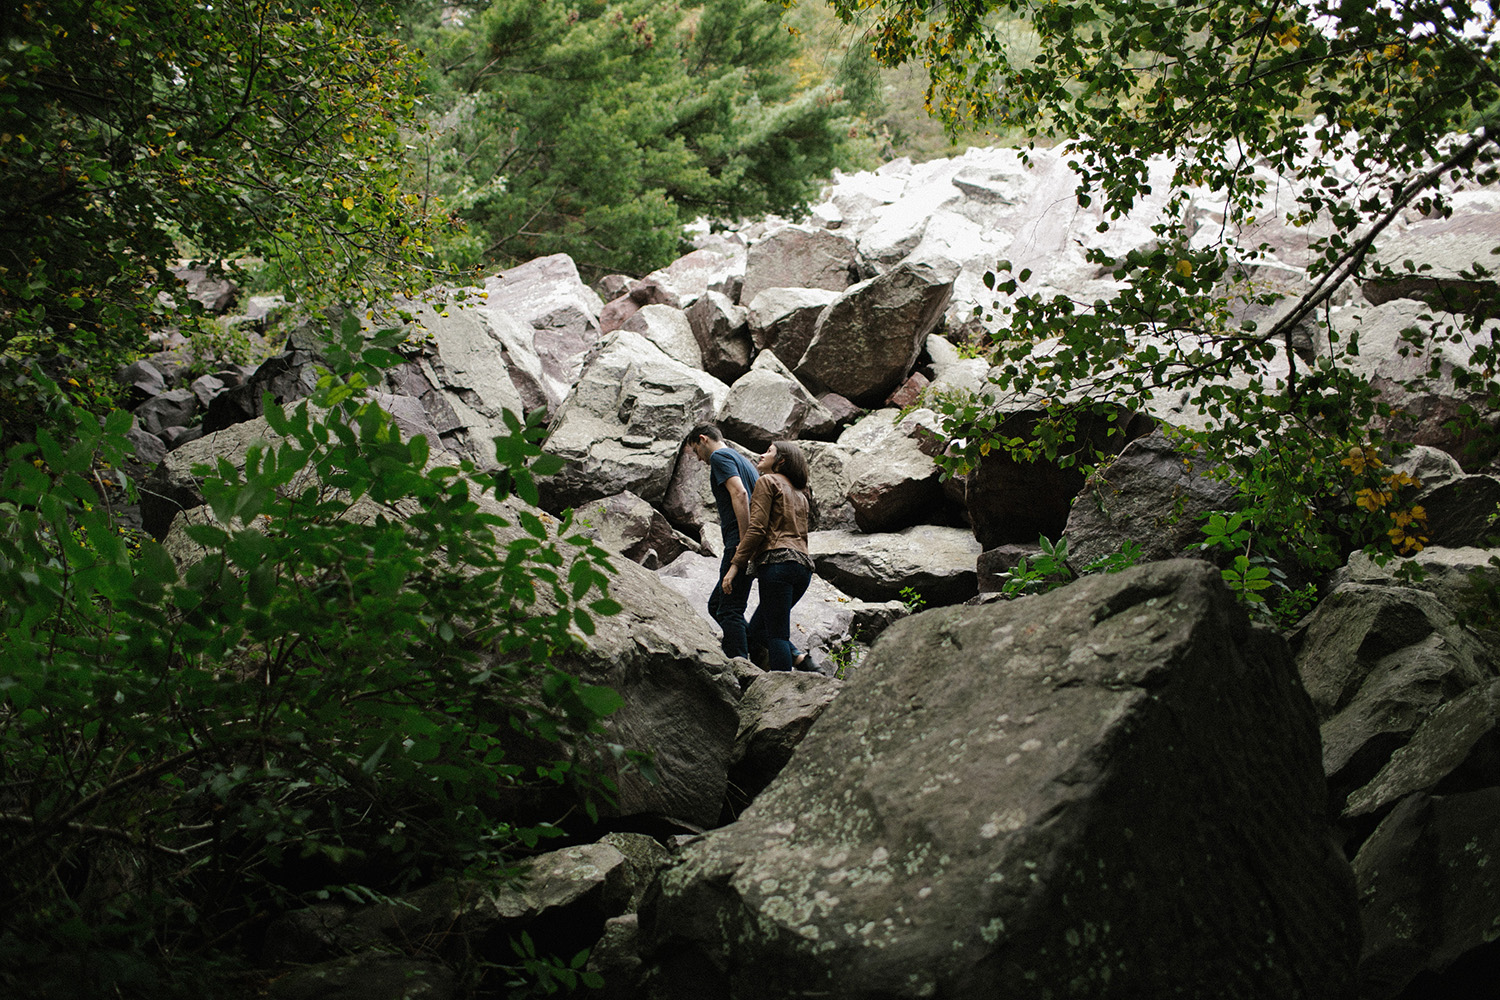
[(1375, 109), (311, 691), (598, 129), (136, 134)]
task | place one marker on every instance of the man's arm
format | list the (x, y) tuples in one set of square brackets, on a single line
[(740, 500)]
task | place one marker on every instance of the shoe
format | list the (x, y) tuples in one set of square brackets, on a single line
[(807, 662)]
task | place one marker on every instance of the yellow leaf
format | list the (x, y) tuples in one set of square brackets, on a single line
[(1185, 268), (348, 203)]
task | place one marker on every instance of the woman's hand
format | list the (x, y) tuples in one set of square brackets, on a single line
[(728, 585)]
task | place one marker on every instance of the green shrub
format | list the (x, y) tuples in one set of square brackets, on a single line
[(319, 701)]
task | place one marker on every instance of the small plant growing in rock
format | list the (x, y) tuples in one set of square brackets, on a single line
[(844, 657), (912, 600)]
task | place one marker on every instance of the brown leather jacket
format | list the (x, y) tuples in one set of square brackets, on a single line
[(778, 519)]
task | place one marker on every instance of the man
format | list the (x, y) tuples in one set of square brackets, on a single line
[(732, 477)]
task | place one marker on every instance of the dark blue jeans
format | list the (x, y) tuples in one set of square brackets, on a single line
[(781, 586), (729, 609)]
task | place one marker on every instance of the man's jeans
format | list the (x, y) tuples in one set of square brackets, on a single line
[(729, 609), (782, 585)]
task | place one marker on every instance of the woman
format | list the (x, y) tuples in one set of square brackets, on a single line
[(775, 543)]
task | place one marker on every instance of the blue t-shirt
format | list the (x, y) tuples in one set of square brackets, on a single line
[(724, 464)]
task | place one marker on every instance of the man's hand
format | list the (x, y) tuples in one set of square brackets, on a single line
[(728, 584)]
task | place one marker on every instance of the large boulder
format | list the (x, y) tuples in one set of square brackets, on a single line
[(797, 257), (680, 698), (547, 295), (866, 342), (1463, 511), (1112, 790), (828, 481), (1450, 575), (895, 484), (173, 408), (768, 404), (1151, 495), (626, 524), (1456, 747), (707, 269), (783, 319), (722, 331), (669, 329), (1429, 893), (470, 370), (937, 563), (621, 427), (1377, 662)]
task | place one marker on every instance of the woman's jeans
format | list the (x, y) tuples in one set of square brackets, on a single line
[(782, 585)]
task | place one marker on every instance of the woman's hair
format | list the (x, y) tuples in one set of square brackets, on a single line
[(791, 463)]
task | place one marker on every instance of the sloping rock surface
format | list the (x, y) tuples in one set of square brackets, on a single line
[(1110, 790)]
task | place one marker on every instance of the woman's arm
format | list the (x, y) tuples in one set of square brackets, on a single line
[(761, 503)]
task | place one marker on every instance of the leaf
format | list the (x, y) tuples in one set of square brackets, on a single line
[(602, 701)]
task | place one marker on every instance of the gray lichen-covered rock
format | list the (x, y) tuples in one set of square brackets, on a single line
[(1112, 790), (1449, 574), (1377, 662), (1457, 746)]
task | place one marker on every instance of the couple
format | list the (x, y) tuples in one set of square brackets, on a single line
[(763, 512)]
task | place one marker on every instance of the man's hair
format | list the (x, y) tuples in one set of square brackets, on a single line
[(702, 430), (792, 464)]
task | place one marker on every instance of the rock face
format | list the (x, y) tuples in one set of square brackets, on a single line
[(1110, 790)]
